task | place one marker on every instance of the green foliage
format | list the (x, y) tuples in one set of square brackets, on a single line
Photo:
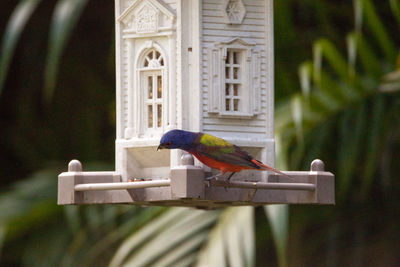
[(16, 24), (231, 241), (348, 93), (278, 216), (345, 115), (176, 234), (65, 17)]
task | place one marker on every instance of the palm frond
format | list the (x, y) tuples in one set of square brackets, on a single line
[(278, 217), (395, 6), (2, 237), (162, 240), (16, 24), (340, 87), (231, 241), (65, 17), (379, 30)]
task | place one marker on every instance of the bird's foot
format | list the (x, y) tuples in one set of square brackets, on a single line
[(209, 179), (214, 177)]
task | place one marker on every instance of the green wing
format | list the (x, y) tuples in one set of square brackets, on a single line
[(223, 151)]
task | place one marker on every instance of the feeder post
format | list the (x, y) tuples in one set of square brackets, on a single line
[(187, 180), (325, 183), (67, 182)]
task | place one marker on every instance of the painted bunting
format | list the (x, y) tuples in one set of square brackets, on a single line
[(214, 152)]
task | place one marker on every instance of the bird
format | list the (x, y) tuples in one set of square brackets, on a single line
[(214, 152)]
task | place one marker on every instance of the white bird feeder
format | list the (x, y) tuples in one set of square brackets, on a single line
[(198, 65)]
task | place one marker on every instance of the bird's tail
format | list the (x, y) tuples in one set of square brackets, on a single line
[(266, 167)]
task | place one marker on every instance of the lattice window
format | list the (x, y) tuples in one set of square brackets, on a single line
[(234, 79), (152, 78), (233, 83)]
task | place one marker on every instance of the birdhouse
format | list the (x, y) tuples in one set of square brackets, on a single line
[(194, 65), (197, 65)]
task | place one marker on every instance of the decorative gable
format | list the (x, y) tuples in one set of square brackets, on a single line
[(146, 17), (236, 43)]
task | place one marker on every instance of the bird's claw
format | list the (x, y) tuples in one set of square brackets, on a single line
[(211, 178)]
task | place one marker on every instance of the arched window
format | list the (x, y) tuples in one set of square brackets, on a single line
[(153, 59), (152, 87)]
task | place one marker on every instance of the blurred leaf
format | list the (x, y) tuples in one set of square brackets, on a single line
[(142, 216), (305, 71), (358, 15), (353, 123), (281, 153), (173, 257), (2, 237), (144, 234), (368, 57), (231, 241), (65, 17), (15, 26), (72, 216), (379, 30), (373, 144), (28, 202), (278, 217), (297, 113), (390, 82), (157, 241), (168, 242), (324, 47), (395, 6), (351, 41)]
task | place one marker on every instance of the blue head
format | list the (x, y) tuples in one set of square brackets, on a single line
[(177, 139)]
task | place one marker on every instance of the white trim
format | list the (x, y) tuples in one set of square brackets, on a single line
[(156, 4), (118, 75), (236, 39), (133, 35), (269, 28), (249, 79), (140, 95)]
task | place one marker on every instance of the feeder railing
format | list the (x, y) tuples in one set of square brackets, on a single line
[(267, 186), (186, 186), (122, 185)]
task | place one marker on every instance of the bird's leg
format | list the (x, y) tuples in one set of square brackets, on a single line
[(208, 179), (229, 177), (213, 177)]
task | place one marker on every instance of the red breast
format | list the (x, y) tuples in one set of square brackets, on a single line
[(222, 166)]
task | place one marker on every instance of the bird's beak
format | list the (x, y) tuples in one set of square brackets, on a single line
[(160, 147)]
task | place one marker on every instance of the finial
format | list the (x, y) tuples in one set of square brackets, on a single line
[(75, 166), (187, 159), (317, 165)]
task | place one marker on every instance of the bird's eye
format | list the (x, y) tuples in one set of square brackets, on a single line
[(168, 143)]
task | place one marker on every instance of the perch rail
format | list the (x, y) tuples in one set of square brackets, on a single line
[(167, 182)]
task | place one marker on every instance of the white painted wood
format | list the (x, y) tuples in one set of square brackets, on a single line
[(233, 11), (270, 186), (121, 185), (186, 187), (195, 37), (213, 61)]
